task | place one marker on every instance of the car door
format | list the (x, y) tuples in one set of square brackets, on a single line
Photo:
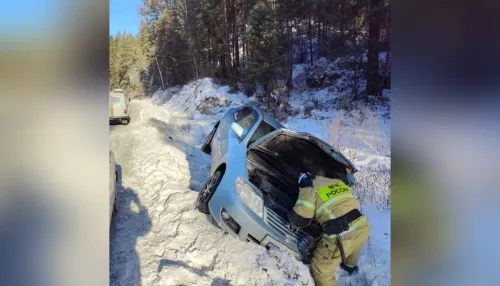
[(219, 144), (215, 150), (116, 106), (126, 100)]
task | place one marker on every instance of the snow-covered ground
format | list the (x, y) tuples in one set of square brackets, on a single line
[(158, 238)]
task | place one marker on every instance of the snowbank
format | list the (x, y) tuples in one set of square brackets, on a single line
[(201, 99)]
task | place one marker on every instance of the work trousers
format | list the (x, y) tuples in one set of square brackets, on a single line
[(326, 256)]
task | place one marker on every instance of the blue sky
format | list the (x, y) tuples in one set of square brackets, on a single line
[(28, 17), (124, 16)]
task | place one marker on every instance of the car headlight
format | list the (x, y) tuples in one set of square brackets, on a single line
[(250, 197)]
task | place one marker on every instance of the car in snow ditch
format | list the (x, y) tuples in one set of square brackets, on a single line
[(255, 161)]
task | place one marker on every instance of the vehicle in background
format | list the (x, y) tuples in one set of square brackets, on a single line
[(118, 107), (113, 179), (255, 163)]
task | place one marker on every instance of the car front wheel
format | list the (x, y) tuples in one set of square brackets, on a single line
[(207, 191)]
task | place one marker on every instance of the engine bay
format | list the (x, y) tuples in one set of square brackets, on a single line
[(277, 183)]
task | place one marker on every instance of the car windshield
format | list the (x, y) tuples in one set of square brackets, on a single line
[(114, 99), (263, 129), (248, 122)]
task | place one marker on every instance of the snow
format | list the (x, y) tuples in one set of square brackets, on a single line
[(199, 93), (298, 69), (158, 238)]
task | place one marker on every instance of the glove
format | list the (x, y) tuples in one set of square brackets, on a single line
[(305, 179), (351, 270), (316, 229)]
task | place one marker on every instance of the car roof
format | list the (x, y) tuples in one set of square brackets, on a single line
[(269, 119), (266, 117), (116, 94)]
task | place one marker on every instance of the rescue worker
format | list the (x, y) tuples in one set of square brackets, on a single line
[(330, 202)]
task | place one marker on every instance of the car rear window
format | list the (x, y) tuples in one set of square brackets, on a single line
[(263, 129)]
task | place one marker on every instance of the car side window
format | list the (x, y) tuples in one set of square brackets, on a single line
[(246, 118), (263, 129)]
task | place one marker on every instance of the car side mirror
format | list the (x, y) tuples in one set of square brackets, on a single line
[(351, 179), (238, 130)]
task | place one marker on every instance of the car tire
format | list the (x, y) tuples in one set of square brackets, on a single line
[(126, 121), (206, 148), (207, 191)]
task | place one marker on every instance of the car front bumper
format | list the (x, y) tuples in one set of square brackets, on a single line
[(269, 231)]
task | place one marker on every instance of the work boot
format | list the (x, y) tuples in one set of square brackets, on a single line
[(351, 270)]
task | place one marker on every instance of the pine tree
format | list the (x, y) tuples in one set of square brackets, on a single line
[(251, 41), (373, 86), (264, 61)]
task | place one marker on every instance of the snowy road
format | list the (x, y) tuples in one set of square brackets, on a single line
[(157, 237)]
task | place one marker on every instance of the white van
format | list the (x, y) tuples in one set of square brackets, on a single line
[(118, 107)]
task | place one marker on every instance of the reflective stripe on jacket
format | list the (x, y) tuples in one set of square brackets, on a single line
[(327, 199)]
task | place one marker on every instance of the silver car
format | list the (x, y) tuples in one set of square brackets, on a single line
[(255, 162)]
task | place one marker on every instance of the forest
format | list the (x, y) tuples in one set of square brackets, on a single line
[(253, 45)]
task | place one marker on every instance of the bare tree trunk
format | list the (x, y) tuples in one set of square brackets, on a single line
[(209, 55), (387, 80), (318, 35), (192, 33), (236, 46), (290, 51), (243, 32), (227, 53), (161, 76), (357, 65), (325, 36), (301, 34), (310, 37), (373, 78), (342, 27), (195, 67)]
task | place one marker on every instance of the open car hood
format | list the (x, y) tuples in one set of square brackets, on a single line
[(303, 152)]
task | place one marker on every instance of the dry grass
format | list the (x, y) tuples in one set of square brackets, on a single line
[(280, 113), (357, 135), (209, 103)]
